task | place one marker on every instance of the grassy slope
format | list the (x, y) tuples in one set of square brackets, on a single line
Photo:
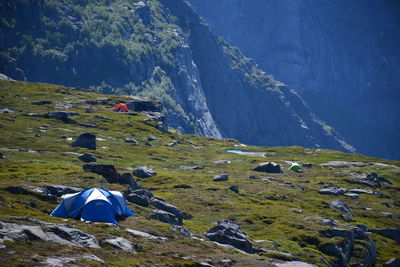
[(206, 200)]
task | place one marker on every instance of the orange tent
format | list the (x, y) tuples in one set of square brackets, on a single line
[(121, 108)]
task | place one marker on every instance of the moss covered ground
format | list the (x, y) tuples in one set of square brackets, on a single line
[(264, 207)]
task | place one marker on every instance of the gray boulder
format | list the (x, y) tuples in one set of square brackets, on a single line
[(228, 232), (221, 177), (144, 172), (162, 205), (38, 192), (270, 167), (54, 233), (340, 205), (86, 140), (152, 138), (173, 143), (127, 179), (75, 236), (234, 188), (182, 230), (140, 197), (332, 190), (120, 243), (395, 262), (165, 217), (86, 157), (107, 171), (223, 161), (59, 190), (41, 102), (131, 141), (62, 116)]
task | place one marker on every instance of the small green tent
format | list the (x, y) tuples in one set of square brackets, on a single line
[(295, 167)]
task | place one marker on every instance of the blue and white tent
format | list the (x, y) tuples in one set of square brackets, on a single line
[(94, 204)]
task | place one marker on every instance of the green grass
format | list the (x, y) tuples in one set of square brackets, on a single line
[(263, 209)]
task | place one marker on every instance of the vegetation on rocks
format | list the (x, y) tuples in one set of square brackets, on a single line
[(283, 215)]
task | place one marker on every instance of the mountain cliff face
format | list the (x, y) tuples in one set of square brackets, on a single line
[(341, 56), (160, 49)]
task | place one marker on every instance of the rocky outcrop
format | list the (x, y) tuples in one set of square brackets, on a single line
[(270, 167), (344, 248), (340, 205), (86, 157), (165, 217), (221, 177), (144, 172), (86, 140), (228, 232), (50, 232)]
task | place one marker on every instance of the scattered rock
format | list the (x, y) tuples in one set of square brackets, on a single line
[(138, 247), (54, 233), (33, 115), (332, 190), (127, 179), (394, 262), (59, 190), (103, 118), (87, 125), (165, 217), (62, 116), (307, 165), (294, 264), (224, 161), (6, 110), (173, 143), (144, 172), (226, 262), (221, 177), (162, 205), (42, 102), (234, 188), (144, 234), (374, 177), (86, 140), (86, 157), (2, 156), (39, 192), (120, 243), (182, 230), (131, 141), (340, 205), (107, 171), (143, 104), (152, 138), (148, 144), (228, 232), (252, 177), (351, 195), (140, 197), (55, 261), (75, 236), (192, 167), (270, 167)]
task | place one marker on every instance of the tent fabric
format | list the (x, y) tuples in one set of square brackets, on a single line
[(295, 167), (121, 108), (94, 204)]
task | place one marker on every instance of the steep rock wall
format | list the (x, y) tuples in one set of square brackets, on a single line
[(342, 56)]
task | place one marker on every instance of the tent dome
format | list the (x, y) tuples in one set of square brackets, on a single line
[(94, 204)]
